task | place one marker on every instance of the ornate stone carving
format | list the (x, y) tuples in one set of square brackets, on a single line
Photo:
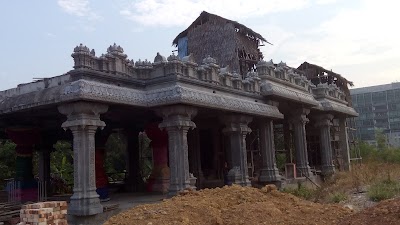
[(236, 129), (177, 122), (159, 58), (269, 173), (299, 120), (333, 106), (90, 90), (276, 89), (324, 122), (83, 119)]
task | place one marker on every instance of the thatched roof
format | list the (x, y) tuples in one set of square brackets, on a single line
[(313, 71), (205, 16), (318, 74)]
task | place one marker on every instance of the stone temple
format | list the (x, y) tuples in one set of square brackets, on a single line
[(201, 108)]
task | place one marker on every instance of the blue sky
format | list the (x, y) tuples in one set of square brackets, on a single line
[(358, 39)]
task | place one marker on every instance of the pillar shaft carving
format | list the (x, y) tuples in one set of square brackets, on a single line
[(299, 121), (159, 178), (269, 172), (324, 123), (344, 145), (83, 119), (177, 122), (236, 129)]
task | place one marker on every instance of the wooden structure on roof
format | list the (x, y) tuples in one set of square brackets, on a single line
[(318, 74), (229, 42)]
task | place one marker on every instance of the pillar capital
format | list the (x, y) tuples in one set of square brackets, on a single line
[(82, 114), (323, 120), (236, 123), (299, 115), (177, 116)]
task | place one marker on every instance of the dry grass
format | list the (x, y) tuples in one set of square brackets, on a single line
[(358, 179)]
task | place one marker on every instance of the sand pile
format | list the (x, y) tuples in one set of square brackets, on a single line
[(386, 212), (230, 206)]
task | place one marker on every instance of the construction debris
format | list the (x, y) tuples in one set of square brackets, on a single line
[(44, 213)]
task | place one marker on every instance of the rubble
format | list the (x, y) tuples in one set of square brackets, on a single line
[(44, 213)]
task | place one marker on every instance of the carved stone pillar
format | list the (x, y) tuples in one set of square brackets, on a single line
[(344, 144), (177, 122), (324, 122), (159, 178), (195, 156), (269, 172), (101, 176), (134, 180), (236, 129), (83, 119), (299, 120), (25, 139)]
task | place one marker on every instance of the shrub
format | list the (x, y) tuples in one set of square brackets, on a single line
[(383, 190), (337, 197), (301, 192)]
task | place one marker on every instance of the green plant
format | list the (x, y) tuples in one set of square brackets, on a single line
[(7, 160), (337, 197), (301, 191), (61, 167), (385, 189)]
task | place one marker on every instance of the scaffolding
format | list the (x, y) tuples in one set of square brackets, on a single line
[(354, 148)]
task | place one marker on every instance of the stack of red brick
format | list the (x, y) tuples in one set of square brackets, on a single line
[(44, 213)]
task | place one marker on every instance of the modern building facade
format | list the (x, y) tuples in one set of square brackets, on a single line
[(379, 109)]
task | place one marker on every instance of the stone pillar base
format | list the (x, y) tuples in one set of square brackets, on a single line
[(158, 185), (304, 172), (85, 206), (327, 171), (269, 175), (235, 177)]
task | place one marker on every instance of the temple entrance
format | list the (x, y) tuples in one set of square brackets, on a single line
[(207, 153)]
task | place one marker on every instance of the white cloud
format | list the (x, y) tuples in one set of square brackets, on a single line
[(78, 8), (50, 35), (361, 36), (183, 12), (325, 2)]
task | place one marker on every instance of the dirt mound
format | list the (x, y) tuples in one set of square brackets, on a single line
[(232, 205), (386, 212)]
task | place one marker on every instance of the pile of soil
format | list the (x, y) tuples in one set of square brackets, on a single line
[(232, 205), (386, 212)]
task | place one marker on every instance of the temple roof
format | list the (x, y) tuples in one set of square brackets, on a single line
[(205, 16)]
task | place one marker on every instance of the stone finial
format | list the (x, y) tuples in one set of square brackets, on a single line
[(159, 58), (269, 63), (115, 49), (173, 57), (235, 75), (189, 58), (92, 53), (224, 70), (209, 60), (282, 64), (81, 49)]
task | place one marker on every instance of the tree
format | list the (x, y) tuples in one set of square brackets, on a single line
[(7, 160)]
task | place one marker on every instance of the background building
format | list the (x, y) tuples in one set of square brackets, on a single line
[(379, 109)]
